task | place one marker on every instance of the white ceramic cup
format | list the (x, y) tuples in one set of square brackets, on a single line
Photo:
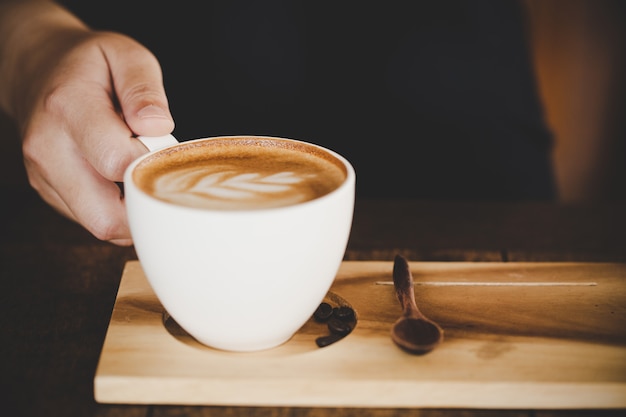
[(244, 278)]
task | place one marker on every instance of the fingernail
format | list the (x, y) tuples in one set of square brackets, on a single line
[(152, 112)]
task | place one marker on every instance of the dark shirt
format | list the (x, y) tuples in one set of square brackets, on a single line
[(428, 99)]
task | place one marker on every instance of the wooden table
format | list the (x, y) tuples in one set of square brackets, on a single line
[(59, 286)]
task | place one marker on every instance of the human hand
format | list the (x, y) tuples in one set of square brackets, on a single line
[(101, 91)]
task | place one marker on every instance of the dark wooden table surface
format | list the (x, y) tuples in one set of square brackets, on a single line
[(59, 285)]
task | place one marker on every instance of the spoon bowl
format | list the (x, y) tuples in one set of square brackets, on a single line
[(413, 331), (416, 335)]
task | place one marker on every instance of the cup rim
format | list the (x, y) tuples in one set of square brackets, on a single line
[(345, 186)]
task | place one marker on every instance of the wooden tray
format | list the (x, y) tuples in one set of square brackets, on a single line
[(517, 335)]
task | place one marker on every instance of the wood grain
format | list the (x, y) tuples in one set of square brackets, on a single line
[(505, 347)]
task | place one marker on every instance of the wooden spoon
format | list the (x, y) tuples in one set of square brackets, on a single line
[(413, 332)]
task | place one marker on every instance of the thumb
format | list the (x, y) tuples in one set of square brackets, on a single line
[(138, 82)]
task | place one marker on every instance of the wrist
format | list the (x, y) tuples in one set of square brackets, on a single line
[(33, 34)]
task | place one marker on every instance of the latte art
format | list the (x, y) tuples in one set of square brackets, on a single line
[(227, 187), (239, 174)]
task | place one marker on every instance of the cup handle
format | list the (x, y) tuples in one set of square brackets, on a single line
[(154, 143)]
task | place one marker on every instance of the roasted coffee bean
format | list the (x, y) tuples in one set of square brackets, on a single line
[(339, 319), (339, 327), (323, 312), (344, 313), (324, 341)]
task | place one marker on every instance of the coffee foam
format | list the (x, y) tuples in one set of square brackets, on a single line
[(239, 173)]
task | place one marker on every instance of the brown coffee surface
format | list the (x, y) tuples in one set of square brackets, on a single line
[(239, 173)]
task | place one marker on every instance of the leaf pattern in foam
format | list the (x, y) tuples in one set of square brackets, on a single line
[(232, 185)]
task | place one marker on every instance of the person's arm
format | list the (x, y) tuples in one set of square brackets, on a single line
[(579, 51), (78, 97)]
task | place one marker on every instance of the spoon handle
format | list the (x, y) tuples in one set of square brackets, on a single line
[(403, 282)]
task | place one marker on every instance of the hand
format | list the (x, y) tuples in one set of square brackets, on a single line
[(82, 109)]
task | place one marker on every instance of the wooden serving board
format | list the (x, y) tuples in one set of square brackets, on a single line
[(517, 335)]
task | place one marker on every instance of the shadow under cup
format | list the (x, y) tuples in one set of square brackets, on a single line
[(240, 237)]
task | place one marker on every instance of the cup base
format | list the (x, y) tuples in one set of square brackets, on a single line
[(304, 340)]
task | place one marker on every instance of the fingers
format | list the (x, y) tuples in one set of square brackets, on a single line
[(80, 137), (115, 70), (139, 88), (68, 183)]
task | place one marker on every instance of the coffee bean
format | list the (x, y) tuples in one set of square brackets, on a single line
[(340, 321), (344, 313), (339, 327), (324, 341), (323, 312)]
